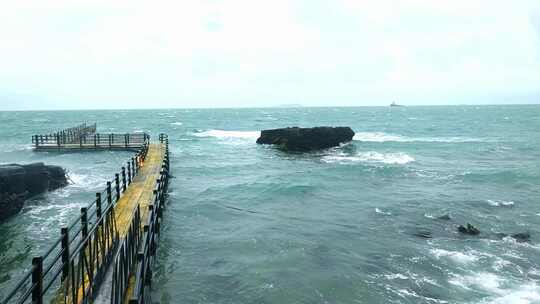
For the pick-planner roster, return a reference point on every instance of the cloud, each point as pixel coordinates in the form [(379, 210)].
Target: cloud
[(242, 53)]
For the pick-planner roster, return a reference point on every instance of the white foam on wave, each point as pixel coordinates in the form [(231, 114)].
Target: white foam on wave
[(396, 276), (222, 134), (384, 137), (16, 148), (85, 181), (502, 291), (482, 280), (398, 158), (456, 256), (379, 211), (176, 123), (499, 203)]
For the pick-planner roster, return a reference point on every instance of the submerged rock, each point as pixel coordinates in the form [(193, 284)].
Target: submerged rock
[(521, 237), (469, 229), (306, 139), (423, 233), (18, 182), (445, 217)]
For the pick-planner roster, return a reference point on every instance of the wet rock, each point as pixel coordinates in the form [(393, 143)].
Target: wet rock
[(469, 229), (445, 217), (521, 237), (306, 139), (18, 182)]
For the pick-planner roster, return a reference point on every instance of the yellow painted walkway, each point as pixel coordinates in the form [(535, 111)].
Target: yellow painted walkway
[(140, 191)]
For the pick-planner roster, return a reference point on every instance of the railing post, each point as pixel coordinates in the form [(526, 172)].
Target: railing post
[(117, 179), (129, 172), (80, 140), (95, 141), (37, 280), (123, 179), (109, 194), (133, 166), (65, 253), (98, 205), (84, 222), (126, 140)]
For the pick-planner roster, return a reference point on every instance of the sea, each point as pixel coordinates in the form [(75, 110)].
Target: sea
[(359, 223)]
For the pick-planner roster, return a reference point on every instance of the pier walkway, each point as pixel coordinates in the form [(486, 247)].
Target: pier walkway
[(84, 137), (106, 254)]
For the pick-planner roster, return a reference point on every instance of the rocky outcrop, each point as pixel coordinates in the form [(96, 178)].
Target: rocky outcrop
[(469, 229), (306, 139), (19, 182)]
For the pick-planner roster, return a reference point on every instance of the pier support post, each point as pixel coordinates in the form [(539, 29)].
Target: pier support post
[(37, 280)]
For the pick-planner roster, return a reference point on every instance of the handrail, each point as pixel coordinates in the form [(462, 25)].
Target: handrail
[(141, 242), (92, 246), (92, 140), (67, 135), (151, 232)]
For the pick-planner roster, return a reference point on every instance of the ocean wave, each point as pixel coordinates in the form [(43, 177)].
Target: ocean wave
[(396, 276), (384, 137), (499, 203), (222, 134), (379, 211), (398, 158), (16, 148), (456, 256), (482, 280), (85, 181), (503, 291), (176, 123)]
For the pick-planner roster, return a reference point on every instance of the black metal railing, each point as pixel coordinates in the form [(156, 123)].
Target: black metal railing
[(94, 140), (75, 264), (137, 251), (70, 135)]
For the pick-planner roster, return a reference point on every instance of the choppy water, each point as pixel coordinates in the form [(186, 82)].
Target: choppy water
[(250, 224)]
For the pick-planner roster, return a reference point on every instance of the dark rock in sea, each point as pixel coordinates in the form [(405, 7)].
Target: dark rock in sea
[(522, 236), (19, 182), (306, 139), (445, 217), (422, 233), (469, 229)]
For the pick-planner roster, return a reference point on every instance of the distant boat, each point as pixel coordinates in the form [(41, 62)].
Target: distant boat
[(394, 104)]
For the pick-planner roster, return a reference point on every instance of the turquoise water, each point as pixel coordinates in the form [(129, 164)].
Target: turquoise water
[(251, 224)]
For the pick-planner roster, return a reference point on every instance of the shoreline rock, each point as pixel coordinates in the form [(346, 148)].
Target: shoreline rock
[(306, 139), (20, 182)]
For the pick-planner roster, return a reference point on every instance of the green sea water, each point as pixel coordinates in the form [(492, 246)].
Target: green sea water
[(247, 223)]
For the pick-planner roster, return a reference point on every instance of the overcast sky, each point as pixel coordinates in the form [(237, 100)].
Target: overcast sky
[(230, 53)]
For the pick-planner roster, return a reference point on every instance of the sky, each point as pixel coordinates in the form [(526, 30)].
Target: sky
[(70, 54)]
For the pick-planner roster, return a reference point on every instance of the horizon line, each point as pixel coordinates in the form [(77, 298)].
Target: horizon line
[(277, 106)]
